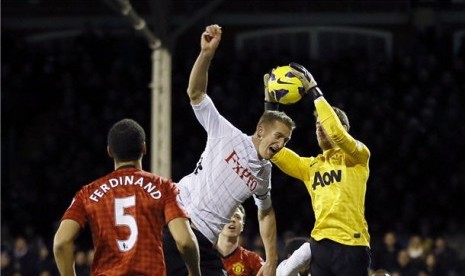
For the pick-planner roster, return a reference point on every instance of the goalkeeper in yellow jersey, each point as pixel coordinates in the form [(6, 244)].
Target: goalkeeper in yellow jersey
[(336, 180)]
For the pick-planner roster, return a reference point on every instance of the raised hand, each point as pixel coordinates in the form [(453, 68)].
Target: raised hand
[(271, 98), (210, 39), (309, 83), (303, 75), (271, 103)]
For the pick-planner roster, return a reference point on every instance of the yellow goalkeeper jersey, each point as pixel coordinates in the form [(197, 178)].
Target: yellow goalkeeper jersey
[(336, 181)]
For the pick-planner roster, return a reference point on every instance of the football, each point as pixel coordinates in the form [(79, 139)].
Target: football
[(284, 86)]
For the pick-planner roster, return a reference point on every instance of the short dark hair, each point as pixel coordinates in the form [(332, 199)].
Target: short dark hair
[(242, 209), (126, 140), (294, 244), (270, 116)]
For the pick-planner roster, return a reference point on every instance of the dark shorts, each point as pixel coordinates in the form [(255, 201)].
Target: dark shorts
[(330, 258), (210, 260)]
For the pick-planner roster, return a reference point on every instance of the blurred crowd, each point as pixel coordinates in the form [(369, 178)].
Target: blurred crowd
[(401, 255), (416, 256), (60, 97)]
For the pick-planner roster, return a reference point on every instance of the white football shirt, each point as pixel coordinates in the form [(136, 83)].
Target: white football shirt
[(299, 259), (227, 173)]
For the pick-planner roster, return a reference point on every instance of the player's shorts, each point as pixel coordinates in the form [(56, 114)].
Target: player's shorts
[(332, 258), (210, 259)]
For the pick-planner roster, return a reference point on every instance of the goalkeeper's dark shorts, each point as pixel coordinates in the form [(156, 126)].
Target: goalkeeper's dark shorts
[(210, 259), (330, 258)]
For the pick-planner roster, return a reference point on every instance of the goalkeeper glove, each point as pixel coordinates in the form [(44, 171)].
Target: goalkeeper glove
[(309, 83), (271, 103)]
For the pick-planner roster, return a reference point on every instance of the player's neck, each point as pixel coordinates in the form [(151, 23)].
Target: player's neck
[(130, 164), (226, 245), (256, 143)]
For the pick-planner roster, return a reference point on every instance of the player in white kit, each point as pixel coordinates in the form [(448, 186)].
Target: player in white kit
[(233, 167)]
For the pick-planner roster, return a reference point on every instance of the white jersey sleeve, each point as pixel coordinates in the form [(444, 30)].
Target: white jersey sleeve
[(296, 262), (262, 197), (211, 120)]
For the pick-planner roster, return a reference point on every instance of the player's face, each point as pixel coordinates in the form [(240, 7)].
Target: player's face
[(323, 140), (235, 227), (274, 137)]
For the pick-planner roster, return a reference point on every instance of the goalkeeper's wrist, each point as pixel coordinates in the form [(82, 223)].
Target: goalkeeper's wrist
[(315, 92), (271, 106)]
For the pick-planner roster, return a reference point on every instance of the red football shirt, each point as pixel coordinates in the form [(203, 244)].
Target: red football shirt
[(126, 211), (242, 262)]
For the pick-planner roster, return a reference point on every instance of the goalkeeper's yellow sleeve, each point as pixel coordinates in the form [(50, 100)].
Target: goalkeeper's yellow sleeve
[(292, 164), (356, 151)]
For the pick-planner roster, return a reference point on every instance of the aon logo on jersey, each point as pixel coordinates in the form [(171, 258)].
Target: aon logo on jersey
[(326, 178)]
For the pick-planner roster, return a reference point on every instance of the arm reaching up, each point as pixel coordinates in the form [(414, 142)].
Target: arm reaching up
[(198, 79)]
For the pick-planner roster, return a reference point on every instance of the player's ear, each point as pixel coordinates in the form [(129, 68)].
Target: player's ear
[(260, 130), (144, 149), (109, 151)]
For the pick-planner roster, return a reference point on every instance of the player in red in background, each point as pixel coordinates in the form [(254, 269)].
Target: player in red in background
[(236, 259), (126, 211)]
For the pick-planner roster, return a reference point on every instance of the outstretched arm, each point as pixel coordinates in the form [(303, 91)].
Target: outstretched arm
[(186, 242), (198, 79), (293, 165), (267, 225), (357, 152)]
